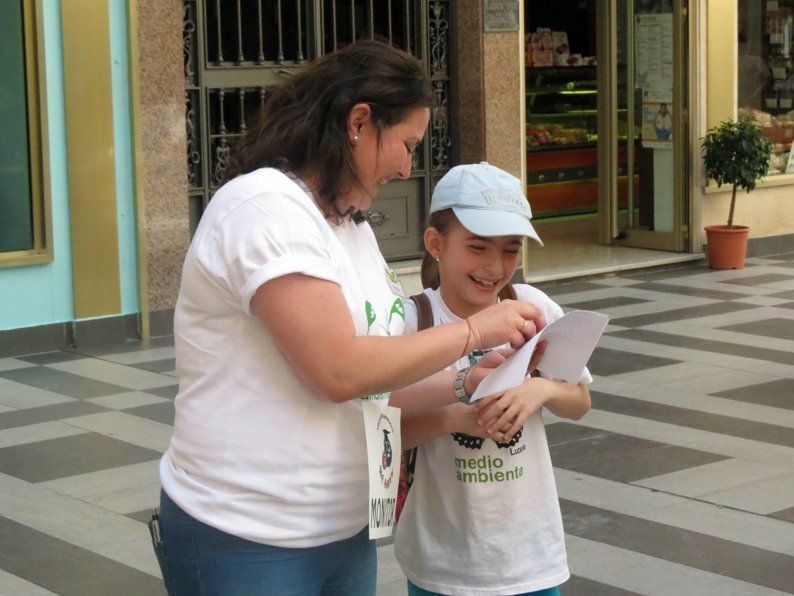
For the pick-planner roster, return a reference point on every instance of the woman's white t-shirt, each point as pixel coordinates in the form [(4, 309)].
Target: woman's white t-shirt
[(483, 518), (256, 452)]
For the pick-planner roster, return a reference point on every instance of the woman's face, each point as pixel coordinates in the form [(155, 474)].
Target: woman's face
[(377, 161)]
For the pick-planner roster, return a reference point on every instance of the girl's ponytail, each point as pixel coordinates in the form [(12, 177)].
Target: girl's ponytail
[(440, 220), (430, 277)]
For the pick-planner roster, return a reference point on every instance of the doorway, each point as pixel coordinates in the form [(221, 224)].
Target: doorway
[(606, 131)]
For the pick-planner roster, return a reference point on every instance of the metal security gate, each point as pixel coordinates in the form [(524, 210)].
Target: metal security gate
[(236, 50)]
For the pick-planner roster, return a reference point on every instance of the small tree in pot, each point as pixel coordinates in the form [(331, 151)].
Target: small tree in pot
[(734, 153)]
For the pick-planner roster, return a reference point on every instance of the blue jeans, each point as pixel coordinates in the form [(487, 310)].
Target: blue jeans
[(414, 590), (197, 559)]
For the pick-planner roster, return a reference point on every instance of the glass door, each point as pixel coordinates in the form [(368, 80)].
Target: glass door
[(642, 123)]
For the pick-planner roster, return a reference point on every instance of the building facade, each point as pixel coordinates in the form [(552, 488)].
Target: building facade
[(112, 149)]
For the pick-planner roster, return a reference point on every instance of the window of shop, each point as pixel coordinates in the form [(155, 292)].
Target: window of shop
[(766, 74), (23, 221)]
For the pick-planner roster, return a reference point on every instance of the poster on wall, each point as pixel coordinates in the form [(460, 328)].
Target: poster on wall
[(653, 56), (657, 124)]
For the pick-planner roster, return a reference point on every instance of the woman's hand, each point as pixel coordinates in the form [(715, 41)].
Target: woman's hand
[(509, 321), (485, 367)]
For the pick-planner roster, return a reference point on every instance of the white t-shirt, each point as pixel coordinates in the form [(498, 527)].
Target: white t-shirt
[(481, 517), (256, 452)]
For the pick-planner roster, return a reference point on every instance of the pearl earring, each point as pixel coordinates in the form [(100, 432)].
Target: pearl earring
[(355, 139), (437, 258)]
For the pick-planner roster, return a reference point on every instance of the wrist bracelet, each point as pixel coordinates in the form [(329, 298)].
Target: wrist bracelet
[(458, 385)]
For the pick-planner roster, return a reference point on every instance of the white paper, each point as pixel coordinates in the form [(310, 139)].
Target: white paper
[(570, 341), (384, 448)]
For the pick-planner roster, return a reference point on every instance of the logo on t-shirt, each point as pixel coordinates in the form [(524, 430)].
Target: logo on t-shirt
[(394, 321)]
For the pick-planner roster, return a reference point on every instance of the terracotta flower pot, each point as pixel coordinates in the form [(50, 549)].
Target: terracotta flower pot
[(727, 246)]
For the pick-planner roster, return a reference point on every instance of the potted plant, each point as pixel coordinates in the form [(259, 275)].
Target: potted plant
[(734, 153)]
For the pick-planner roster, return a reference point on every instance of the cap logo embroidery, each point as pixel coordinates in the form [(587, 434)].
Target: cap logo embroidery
[(505, 197)]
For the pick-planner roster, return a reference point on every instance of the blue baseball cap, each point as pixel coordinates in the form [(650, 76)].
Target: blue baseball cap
[(486, 200)]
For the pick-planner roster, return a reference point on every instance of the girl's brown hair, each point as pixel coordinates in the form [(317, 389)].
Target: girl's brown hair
[(303, 125), (441, 221)]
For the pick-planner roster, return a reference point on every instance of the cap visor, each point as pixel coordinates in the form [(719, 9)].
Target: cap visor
[(486, 222)]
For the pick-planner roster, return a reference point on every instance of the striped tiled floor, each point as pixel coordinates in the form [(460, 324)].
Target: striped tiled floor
[(679, 481)]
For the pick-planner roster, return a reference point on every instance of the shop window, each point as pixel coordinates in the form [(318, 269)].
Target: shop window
[(23, 221), (766, 74)]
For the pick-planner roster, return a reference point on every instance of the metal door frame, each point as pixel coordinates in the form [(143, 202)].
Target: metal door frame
[(608, 162), (427, 26)]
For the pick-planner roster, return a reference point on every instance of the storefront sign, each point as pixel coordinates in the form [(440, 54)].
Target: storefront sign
[(500, 15)]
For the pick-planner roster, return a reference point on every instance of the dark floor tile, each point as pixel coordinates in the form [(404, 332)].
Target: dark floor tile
[(678, 314), (605, 362), (566, 432), (70, 456), (61, 382), (168, 392), (606, 445), (777, 328), (785, 256), (559, 289), (778, 394), (141, 516), (625, 459), (669, 273), (66, 569), (604, 303), (162, 412), (581, 586), (786, 264), (127, 346), (51, 357), (156, 366), (789, 305), (650, 462), (687, 291), (758, 280), (707, 345), (716, 423), (785, 294), (48, 413), (785, 514), (692, 549)]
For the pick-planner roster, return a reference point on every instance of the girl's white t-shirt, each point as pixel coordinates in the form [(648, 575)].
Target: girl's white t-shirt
[(256, 452), (483, 518)]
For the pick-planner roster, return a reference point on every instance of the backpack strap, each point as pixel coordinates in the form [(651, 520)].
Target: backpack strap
[(508, 293), (424, 311)]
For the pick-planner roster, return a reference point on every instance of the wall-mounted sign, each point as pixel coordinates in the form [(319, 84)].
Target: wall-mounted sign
[(500, 15)]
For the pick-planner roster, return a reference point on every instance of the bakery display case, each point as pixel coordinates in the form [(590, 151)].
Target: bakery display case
[(562, 139)]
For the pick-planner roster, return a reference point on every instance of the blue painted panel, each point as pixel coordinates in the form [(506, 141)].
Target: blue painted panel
[(42, 294), (122, 132)]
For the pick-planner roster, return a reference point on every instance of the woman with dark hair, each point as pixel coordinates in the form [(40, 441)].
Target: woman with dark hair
[(287, 316)]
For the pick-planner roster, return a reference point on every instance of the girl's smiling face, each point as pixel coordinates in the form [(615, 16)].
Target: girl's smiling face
[(473, 269)]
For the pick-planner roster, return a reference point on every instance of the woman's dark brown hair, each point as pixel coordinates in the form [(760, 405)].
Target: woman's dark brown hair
[(303, 126), (441, 221)]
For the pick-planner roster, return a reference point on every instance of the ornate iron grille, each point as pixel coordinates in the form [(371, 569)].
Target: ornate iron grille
[(235, 50)]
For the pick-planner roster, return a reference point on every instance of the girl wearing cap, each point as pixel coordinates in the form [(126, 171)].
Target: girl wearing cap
[(283, 324), (482, 517)]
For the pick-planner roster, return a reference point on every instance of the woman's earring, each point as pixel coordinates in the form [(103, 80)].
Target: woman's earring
[(437, 258), (355, 139)]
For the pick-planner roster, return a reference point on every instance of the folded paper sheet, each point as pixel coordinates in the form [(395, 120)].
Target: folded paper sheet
[(570, 341)]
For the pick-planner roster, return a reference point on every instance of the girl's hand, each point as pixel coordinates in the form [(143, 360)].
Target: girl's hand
[(509, 321), (512, 408), (463, 419)]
